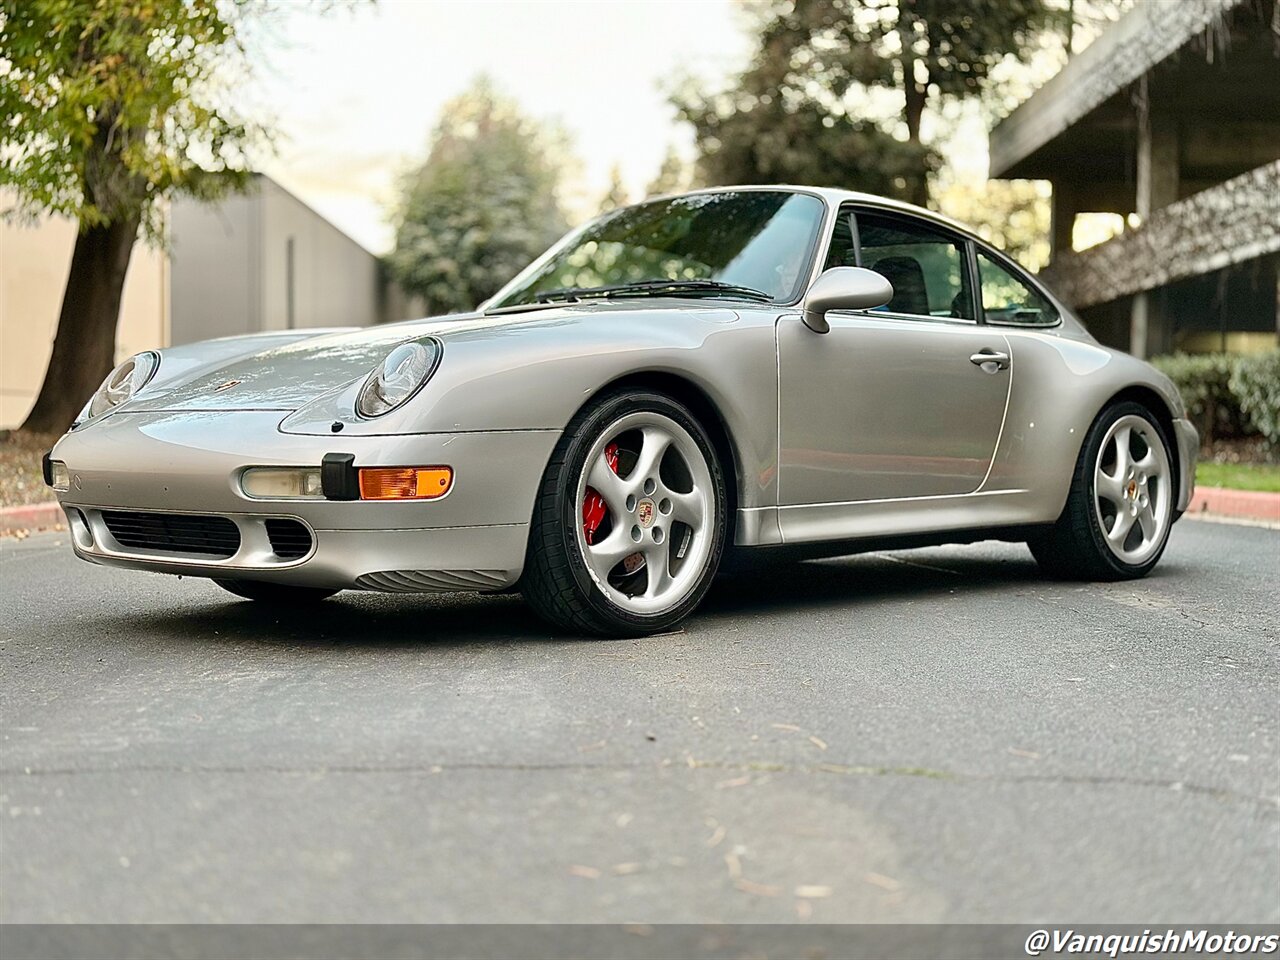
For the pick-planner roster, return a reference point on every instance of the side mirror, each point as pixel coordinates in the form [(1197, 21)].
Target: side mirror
[(844, 288)]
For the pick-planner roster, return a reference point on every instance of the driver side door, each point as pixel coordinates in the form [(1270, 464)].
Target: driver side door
[(893, 403)]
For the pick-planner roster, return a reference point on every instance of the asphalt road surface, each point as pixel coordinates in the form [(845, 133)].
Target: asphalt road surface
[(936, 735)]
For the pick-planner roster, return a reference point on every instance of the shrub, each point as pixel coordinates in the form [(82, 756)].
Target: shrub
[(1255, 383), (1204, 380)]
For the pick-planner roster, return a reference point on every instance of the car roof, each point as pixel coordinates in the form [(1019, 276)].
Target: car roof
[(833, 197)]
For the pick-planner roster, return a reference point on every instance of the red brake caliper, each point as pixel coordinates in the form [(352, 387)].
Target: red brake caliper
[(593, 506)]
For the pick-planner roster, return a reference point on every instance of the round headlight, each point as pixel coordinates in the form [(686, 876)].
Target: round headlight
[(122, 383), (398, 377)]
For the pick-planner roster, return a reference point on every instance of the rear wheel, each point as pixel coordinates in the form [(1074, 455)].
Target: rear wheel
[(1118, 514), (280, 593), (630, 521)]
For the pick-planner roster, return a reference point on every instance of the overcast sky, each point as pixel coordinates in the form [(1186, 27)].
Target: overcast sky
[(356, 93)]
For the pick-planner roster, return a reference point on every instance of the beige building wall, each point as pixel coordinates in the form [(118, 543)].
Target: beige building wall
[(313, 274), (34, 262)]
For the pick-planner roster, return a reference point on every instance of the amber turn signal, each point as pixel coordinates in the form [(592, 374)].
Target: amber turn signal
[(405, 483)]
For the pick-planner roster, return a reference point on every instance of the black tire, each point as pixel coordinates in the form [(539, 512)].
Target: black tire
[(556, 582), (280, 593), (1075, 547)]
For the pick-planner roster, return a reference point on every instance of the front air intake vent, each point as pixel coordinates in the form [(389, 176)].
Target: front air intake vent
[(173, 532), (290, 539)]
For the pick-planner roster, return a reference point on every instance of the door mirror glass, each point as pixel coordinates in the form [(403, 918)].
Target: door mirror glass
[(844, 288)]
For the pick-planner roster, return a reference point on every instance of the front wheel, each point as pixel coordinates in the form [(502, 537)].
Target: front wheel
[(281, 593), (630, 522), (1120, 508)]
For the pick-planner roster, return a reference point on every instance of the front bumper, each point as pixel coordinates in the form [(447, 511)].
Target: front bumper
[(189, 464), (1188, 441)]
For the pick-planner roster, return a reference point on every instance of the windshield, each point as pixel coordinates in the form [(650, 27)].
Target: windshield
[(757, 239)]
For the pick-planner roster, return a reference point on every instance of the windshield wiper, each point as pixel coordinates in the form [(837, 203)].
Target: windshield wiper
[(644, 288)]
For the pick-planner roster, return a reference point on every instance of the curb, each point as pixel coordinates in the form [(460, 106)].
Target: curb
[(31, 516), (1244, 504)]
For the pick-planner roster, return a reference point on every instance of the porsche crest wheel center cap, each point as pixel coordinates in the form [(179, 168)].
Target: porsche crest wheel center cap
[(645, 512)]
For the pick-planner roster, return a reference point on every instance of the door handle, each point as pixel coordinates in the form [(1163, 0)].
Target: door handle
[(990, 360)]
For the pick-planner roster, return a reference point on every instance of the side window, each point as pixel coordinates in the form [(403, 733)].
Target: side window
[(925, 266), (1007, 298), (844, 247)]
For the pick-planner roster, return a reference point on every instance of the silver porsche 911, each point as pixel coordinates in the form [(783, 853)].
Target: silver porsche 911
[(778, 369)]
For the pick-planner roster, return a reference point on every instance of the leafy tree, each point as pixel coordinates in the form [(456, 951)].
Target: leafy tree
[(106, 108), (1012, 214), (483, 204), (838, 89), (673, 176), (616, 196)]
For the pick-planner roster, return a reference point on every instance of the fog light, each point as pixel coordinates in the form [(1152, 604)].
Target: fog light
[(282, 483), (405, 483), (59, 476)]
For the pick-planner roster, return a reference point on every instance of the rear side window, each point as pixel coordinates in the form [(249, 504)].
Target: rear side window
[(1007, 298), (925, 266)]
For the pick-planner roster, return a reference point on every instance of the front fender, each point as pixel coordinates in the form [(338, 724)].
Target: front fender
[(537, 374)]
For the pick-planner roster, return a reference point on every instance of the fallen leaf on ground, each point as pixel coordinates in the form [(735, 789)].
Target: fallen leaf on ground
[(880, 880), (813, 891), (733, 864), (759, 889)]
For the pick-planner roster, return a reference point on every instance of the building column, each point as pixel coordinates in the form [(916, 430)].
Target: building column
[(1139, 324), (1064, 206), (1157, 187)]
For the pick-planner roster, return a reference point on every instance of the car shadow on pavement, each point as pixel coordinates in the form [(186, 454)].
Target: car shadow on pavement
[(387, 621), (354, 619), (861, 579)]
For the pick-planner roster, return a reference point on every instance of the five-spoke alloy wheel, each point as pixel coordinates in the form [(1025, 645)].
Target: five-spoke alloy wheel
[(1132, 490), (1120, 507), (630, 522)]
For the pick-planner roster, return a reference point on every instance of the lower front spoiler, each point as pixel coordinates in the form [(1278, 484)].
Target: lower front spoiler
[(428, 560)]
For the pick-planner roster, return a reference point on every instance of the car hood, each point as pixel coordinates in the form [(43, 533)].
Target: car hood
[(268, 374), (288, 376)]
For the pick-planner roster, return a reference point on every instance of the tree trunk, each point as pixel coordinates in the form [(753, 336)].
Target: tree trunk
[(916, 95), (84, 348), (918, 185)]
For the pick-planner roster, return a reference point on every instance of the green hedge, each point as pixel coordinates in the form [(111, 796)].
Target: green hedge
[(1255, 383), (1228, 395)]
